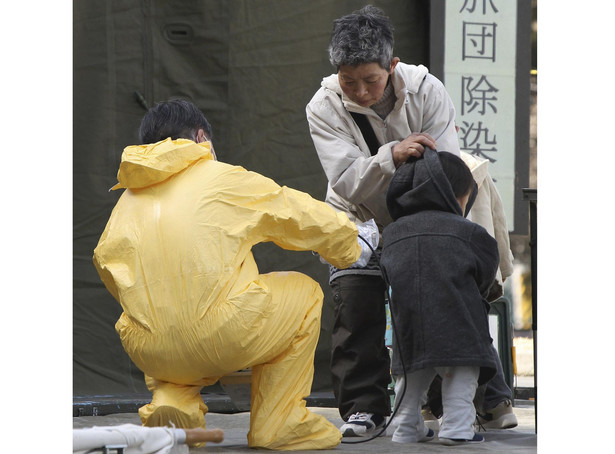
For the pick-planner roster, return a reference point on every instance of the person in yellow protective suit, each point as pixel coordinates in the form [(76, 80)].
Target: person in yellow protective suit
[(176, 254)]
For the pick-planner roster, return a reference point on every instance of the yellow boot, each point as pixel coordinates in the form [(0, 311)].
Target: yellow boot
[(174, 405)]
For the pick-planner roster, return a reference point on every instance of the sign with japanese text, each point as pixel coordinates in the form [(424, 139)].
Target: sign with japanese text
[(479, 72)]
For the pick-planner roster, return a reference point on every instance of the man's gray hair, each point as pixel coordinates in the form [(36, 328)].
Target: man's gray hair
[(365, 36)]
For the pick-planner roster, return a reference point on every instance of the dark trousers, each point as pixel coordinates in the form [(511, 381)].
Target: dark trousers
[(496, 390), (360, 362)]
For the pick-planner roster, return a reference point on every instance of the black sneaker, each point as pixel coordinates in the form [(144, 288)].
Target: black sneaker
[(362, 425)]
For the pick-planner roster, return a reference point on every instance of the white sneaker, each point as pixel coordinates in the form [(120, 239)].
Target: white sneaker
[(430, 420), (362, 425), (499, 417)]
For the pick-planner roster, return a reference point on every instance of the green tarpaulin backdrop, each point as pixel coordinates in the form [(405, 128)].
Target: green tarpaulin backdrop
[(251, 66)]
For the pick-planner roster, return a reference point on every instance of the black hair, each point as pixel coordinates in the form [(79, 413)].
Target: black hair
[(176, 119), (457, 172)]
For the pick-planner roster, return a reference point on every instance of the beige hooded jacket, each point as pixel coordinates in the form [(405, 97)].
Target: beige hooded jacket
[(358, 181), (488, 212)]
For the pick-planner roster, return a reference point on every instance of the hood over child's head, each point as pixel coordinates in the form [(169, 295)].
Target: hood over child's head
[(434, 181)]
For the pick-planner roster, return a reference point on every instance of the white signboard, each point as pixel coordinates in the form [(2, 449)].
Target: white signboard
[(479, 72)]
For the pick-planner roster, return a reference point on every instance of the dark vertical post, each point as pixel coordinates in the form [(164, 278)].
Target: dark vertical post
[(522, 112), (531, 195), (436, 38)]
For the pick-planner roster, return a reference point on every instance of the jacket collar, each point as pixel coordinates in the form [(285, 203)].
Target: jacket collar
[(405, 79)]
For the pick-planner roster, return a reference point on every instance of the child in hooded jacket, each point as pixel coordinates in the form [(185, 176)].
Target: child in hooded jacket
[(440, 267)]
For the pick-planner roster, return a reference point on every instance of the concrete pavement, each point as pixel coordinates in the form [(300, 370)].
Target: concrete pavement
[(521, 439), (116, 410)]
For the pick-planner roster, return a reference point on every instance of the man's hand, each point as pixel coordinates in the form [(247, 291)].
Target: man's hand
[(413, 145)]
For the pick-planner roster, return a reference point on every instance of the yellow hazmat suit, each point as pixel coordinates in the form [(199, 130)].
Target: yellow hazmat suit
[(176, 254)]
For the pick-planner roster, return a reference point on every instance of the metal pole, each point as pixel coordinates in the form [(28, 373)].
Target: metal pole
[(532, 196)]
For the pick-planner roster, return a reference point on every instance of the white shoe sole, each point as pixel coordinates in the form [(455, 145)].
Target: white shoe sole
[(507, 421), (449, 442), (349, 432)]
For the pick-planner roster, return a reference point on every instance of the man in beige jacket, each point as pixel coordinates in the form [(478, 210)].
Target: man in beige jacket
[(365, 121)]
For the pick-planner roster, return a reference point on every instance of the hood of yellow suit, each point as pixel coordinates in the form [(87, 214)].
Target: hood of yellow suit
[(147, 165)]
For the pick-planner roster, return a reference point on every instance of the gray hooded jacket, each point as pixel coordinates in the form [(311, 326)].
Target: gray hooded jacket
[(440, 267)]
